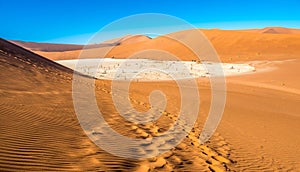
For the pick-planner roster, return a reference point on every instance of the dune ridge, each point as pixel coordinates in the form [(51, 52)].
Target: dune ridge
[(53, 47), (275, 30), (231, 45)]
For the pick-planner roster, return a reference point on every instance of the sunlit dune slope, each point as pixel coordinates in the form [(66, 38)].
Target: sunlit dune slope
[(230, 45)]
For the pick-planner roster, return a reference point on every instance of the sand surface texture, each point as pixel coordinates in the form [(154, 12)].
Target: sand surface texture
[(40, 131), (258, 132)]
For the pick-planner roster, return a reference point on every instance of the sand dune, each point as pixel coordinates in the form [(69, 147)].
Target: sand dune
[(39, 130), (258, 132), (128, 39), (275, 30), (232, 46), (51, 47), (47, 47)]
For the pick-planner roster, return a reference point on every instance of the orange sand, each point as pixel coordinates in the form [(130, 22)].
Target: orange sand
[(258, 132)]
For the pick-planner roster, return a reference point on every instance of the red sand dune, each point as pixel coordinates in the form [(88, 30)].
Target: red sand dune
[(275, 30), (128, 39), (230, 45)]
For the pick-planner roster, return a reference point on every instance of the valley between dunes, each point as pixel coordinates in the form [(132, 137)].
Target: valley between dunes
[(258, 132)]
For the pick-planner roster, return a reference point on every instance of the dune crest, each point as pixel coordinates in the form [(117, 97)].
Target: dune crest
[(231, 45)]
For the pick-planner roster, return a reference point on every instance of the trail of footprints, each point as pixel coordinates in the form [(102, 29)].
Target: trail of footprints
[(188, 155)]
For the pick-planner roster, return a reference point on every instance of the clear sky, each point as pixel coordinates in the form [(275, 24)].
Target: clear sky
[(74, 21)]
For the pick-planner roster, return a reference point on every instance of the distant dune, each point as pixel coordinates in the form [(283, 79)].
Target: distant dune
[(47, 47), (51, 47), (231, 45), (128, 39), (275, 30)]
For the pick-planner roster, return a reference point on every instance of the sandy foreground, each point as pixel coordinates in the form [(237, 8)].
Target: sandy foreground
[(40, 130)]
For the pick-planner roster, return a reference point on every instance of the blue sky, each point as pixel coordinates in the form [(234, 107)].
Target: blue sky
[(75, 21)]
